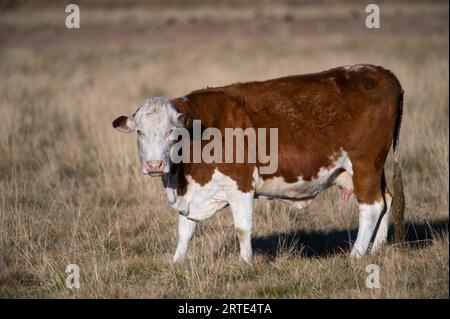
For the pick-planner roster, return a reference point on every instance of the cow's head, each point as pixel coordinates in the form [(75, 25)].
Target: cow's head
[(154, 122)]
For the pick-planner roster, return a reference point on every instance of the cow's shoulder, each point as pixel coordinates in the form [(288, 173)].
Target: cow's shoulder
[(215, 107)]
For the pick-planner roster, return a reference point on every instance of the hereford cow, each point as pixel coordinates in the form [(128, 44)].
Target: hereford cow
[(334, 128)]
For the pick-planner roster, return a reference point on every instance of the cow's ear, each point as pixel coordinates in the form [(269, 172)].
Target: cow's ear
[(124, 124), (184, 120)]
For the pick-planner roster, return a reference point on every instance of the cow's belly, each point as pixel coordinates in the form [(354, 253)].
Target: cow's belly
[(277, 187)]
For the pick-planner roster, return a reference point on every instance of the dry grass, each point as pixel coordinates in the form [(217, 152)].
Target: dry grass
[(70, 187)]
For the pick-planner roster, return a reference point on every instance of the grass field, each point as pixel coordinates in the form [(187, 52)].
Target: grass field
[(71, 189)]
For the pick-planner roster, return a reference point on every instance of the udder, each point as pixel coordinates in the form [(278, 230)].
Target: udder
[(345, 182)]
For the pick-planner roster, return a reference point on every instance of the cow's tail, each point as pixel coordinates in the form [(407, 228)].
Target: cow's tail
[(398, 201)]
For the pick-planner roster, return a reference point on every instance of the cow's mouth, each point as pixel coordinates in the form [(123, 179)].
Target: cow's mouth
[(155, 174)]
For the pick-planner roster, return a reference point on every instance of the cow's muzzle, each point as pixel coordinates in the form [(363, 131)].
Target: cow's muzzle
[(155, 167)]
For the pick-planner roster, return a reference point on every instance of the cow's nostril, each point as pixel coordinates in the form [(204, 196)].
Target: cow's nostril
[(155, 165)]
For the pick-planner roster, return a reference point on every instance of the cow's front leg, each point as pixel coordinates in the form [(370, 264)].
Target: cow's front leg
[(241, 205), (186, 228)]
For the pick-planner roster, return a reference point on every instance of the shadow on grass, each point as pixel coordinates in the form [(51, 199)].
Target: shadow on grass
[(322, 244)]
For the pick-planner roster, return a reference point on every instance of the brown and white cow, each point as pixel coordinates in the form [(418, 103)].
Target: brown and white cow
[(334, 128)]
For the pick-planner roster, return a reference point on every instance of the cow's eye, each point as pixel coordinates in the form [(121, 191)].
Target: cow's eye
[(139, 133)]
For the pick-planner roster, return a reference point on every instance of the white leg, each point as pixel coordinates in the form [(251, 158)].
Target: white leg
[(186, 230), (241, 205), (382, 232), (368, 219)]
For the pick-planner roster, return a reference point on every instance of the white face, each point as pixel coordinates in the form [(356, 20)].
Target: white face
[(153, 122)]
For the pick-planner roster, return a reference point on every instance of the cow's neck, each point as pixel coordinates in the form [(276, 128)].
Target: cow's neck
[(172, 181)]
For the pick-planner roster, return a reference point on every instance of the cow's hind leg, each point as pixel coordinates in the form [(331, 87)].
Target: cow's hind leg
[(382, 232), (186, 229), (368, 185), (241, 205)]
